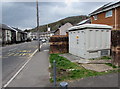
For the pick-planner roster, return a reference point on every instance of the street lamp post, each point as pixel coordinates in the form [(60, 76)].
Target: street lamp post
[(38, 25)]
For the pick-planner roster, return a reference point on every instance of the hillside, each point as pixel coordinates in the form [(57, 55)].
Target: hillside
[(73, 20)]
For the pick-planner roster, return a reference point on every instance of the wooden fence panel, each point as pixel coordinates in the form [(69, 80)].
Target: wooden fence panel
[(115, 41), (59, 44)]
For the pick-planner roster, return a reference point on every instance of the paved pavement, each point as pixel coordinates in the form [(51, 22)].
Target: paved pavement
[(35, 73), (97, 67), (109, 80), (71, 57), (80, 60), (14, 56)]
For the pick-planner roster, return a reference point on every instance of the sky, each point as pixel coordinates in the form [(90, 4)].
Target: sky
[(23, 14)]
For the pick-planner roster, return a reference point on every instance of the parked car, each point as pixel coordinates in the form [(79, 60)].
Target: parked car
[(28, 40), (35, 39), (40, 39), (43, 40)]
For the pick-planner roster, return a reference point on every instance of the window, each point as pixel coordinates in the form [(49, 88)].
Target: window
[(108, 13), (95, 17)]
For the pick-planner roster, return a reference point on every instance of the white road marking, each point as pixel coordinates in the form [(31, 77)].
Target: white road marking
[(12, 49), (33, 53), (45, 50), (16, 54), (10, 54), (20, 69)]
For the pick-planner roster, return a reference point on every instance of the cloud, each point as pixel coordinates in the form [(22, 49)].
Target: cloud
[(51, 12), (66, 1), (19, 15), (23, 14)]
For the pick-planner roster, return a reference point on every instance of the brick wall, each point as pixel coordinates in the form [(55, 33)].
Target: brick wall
[(101, 19), (118, 18)]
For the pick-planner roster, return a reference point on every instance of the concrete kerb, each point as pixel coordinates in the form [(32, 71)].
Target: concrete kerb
[(49, 67)]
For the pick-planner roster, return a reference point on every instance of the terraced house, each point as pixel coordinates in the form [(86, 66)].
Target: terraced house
[(108, 14)]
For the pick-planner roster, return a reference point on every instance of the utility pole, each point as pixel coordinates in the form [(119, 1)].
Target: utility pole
[(47, 32), (38, 25)]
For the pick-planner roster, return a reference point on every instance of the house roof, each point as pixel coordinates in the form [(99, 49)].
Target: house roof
[(6, 27), (106, 7), (18, 30), (65, 26), (3, 26), (12, 28), (89, 26), (84, 21)]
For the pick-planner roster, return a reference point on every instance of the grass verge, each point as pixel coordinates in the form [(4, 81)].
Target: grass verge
[(106, 57), (67, 70)]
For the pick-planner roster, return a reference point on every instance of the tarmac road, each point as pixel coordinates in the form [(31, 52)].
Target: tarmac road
[(14, 56), (36, 72)]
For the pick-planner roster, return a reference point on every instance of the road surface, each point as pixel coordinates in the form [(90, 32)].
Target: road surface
[(36, 72), (14, 56)]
